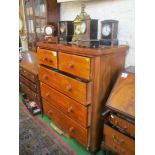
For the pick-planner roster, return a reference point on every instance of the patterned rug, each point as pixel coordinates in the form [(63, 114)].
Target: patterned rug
[(34, 139)]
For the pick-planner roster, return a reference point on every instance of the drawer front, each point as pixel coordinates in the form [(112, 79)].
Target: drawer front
[(122, 124), (76, 65), (29, 93), (28, 83), (65, 123), (28, 75), (117, 141), (70, 107), (47, 57), (80, 91)]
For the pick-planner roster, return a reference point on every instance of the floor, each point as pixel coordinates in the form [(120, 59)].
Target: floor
[(78, 148)]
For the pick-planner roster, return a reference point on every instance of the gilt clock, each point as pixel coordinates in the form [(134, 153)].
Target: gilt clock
[(85, 28), (109, 30), (65, 31)]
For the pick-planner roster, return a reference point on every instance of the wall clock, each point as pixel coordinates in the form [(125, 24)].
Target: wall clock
[(109, 30)]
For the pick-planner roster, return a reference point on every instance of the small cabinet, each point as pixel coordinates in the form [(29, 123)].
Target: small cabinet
[(37, 14)]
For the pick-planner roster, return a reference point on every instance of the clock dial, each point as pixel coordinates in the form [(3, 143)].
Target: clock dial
[(78, 29), (106, 30), (83, 27), (62, 28), (49, 30)]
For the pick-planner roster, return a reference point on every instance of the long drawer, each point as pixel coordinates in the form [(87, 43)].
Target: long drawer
[(118, 142), (65, 123), (28, 83), (122, 124), (70, 107), (77, 90), (47, 57), (28, 75), (77, 65), (29, 93)]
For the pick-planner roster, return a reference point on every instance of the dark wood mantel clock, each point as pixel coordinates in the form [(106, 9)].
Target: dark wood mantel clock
[(51, 33), (85, 28), (109, 30)]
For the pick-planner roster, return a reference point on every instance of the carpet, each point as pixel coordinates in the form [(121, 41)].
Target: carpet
[(35, 138)]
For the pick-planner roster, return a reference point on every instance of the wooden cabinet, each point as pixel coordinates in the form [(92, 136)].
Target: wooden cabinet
[(39, 13), (28, 77), (75, 92), (119, 119)]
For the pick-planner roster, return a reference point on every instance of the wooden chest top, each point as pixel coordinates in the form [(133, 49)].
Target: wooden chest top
[(90, 52), (30, 62), (122, 97)]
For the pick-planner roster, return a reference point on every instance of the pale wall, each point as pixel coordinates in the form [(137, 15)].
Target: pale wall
[(122, 10)]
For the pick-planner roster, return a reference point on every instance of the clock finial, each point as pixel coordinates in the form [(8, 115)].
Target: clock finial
[(83, 6)]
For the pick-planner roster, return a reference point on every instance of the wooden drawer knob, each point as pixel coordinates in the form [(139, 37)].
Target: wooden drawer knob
[(49, 112), (71, 129), (71, 65), (51, 61), (47, 95), (70, 109), (69, 88), (45, 59), (45, 77)]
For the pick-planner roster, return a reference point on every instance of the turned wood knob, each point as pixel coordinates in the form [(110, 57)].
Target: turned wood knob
[(71, 65), (45, 77), (51, 61), (70, 109), (47, 94), (45, 59), (49, 112), (69, 88), (71, 129)]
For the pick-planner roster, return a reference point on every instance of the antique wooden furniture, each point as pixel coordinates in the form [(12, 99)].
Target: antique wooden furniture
[(39, 13), (28, 77), (119, 118), (75, 83)]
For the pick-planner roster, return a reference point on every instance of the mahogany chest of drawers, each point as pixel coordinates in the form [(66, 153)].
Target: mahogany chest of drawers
[(119, 118), (28, 77), (75, 83)]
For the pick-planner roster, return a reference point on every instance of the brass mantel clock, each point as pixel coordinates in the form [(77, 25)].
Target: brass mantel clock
[(85, 28)]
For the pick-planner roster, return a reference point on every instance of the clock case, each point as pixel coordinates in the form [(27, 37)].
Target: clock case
[(111, 39), (54, 37), (66, 36), (90, 33)]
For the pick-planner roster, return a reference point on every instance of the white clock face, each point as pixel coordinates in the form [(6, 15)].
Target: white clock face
[(83, 27), (48, 30), (106, 30), (78, 29)]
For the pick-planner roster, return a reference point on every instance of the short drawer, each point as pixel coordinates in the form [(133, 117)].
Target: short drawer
[(122, 124), (70, 107), (78, 90), (118, 142), (47, 57), (29, 93), (65, 123), (28, 75), (77, 65), (28, 83)]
